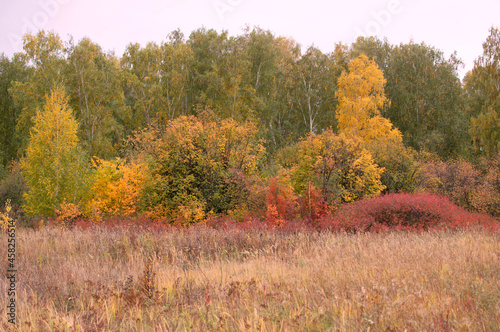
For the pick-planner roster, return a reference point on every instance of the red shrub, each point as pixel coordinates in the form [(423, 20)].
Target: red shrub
[(403, 212), (313, 206), (281, 203)]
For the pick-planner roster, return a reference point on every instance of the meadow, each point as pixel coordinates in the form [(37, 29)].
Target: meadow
[(233, 278)]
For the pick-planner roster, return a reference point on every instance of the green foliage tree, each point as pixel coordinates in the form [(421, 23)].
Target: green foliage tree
[(54, 167), (177, 61), (313, 94), (143, 82), (14, 70), (380, 51), (427, 103), (44, 56), (483, 92), (271, 76), (94, 84), (158, 77), (219, 74)]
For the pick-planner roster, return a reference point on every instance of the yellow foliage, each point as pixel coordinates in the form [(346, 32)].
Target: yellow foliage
[(116, 188), (67, 213), (193, 211), (361, 97), (5, 218), (338, 165), (199, 165), (53, 166)]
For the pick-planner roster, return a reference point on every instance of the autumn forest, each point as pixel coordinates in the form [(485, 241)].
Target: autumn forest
[(217, 124), (242, 183)]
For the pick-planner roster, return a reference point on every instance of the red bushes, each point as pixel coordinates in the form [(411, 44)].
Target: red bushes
[(419, 212), (281, 203), (313, 205), (285, 206), (404, 211)]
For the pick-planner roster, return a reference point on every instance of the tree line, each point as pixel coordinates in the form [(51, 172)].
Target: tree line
[(192, 125)]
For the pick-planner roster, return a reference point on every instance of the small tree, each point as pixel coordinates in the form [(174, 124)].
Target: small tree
[(53, 167), (361, 98)]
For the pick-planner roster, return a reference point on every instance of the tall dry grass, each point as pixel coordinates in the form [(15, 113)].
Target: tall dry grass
[(248, 280)]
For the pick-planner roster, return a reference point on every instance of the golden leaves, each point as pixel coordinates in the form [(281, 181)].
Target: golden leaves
[(339, 166), (361, 96), (116, 188)]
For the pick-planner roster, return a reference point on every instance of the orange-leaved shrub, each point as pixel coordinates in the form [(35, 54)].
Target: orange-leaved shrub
[(285, 206), (116, 188), (282, 205), (404, 211), (198, 166), (68, 213)]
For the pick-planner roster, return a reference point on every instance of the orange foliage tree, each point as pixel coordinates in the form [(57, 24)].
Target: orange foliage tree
[(361, 96), (116, 188)]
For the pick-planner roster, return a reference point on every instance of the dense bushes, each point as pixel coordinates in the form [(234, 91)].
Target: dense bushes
[(404, 211), (197, 166), (474, 187), (338, 166)]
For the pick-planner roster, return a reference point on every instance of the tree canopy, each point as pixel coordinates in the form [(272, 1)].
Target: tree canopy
[(204, 123)]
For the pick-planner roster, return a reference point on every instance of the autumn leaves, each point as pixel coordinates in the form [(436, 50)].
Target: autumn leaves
[(188, 167)]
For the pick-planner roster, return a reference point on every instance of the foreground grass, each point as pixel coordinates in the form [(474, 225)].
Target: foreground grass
[(248, 280)]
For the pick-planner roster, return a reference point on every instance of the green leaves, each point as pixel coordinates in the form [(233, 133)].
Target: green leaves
[(96, 95), (426, 99), (43, 53), (313, 93), (157, 80), (482, 84), (10, 71)]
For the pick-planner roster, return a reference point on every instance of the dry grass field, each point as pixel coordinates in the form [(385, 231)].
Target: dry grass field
[(203, 279)]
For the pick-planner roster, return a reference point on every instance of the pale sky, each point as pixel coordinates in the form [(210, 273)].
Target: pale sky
[(460, 26)]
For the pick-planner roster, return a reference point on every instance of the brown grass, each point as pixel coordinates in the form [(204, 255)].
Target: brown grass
[(249, 280)]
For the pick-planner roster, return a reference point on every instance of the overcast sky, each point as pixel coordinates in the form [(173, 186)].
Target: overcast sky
[(460, 26)]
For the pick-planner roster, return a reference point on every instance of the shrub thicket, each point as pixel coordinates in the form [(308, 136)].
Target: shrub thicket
[(404, 212)]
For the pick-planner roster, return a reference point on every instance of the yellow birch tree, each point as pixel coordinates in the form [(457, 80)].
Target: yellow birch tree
[(361, 97), (53, 166)]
